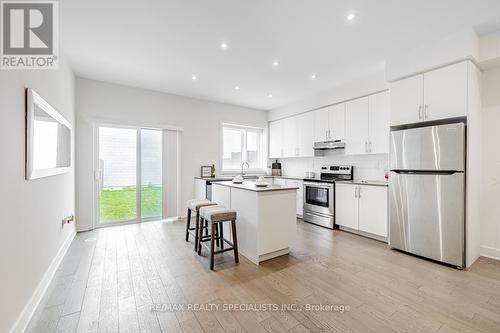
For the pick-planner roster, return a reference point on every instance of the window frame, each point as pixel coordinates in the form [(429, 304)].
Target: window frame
[(244, 152)]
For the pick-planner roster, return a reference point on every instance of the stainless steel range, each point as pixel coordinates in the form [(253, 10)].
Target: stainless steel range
[(319, 194)]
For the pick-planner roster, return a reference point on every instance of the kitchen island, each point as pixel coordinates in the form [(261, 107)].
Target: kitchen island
[(266, 223)]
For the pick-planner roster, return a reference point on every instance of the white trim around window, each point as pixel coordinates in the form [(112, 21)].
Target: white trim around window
[(256, 157)]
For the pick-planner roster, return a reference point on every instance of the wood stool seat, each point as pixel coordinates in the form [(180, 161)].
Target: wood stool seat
[(216, 216), (194, 205)]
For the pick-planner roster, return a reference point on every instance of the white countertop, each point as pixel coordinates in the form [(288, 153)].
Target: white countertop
[(250, 186)]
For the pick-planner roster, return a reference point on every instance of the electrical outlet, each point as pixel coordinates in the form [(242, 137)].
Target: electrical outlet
[(68, 219)]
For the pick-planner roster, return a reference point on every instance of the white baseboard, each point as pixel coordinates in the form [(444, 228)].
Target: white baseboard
[(490, 252), (29, 309)]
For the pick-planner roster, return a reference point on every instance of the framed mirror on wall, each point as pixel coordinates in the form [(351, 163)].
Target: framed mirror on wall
[(48, 139)]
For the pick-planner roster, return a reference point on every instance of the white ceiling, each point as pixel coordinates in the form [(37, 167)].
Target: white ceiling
[(160, 44)]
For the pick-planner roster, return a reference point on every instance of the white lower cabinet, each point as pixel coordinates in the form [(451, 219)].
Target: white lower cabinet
[(362, 208), (200, 189), (300, 192), (346, 205), (373, 209)]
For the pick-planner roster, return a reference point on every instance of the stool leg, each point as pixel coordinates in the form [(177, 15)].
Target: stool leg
[(235, 241), (212, 244), (221, 226), (188, 224), (196, 231), (216, 226), (200, 234)]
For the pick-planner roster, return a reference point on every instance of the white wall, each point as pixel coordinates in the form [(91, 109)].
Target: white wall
[(200, 140), (490, 218), (367, 167), (349, 90), (30, 211), (459, 46)]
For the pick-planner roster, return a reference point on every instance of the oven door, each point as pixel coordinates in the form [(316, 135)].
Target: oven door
[(318, 197)]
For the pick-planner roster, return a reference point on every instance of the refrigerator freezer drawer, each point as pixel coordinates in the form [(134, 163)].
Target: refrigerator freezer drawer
[(440, 147), (427, 215)]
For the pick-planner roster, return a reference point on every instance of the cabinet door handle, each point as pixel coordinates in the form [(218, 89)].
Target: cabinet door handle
[(370, 146), (420, 112), (425, 111), (355, 191), (366, 146), (359, 191)]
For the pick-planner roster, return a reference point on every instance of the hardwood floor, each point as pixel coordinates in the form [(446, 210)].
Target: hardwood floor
[(111, 284)]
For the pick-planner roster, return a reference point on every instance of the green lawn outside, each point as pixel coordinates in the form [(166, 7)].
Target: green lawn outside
[(120, 204)]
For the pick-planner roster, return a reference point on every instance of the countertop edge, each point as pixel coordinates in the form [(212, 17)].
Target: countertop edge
[(360, 182), (256, 189), (222, 178)]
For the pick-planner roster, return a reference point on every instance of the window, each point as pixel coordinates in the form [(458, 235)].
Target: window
[(242, 144)]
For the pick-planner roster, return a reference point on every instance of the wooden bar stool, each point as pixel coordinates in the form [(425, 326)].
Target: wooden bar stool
[(194, 205), (216, 216)]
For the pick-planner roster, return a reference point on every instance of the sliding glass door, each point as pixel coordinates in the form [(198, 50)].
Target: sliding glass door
[(151, 174), (129, 175)]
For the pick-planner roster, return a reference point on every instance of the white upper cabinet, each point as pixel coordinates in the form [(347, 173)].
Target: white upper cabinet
[(321, 124), (275, 139), (445, 92), (356, 135), (289, 137), (378, 123), (292, 136), (337, 122), (362, 123), (406, 100), (305, 134), (373, 209), (438, 94)]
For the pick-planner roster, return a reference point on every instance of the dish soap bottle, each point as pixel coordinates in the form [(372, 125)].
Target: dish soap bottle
[(212, 171)]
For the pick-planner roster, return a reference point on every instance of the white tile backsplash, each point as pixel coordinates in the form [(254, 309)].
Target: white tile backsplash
[(368, 167)]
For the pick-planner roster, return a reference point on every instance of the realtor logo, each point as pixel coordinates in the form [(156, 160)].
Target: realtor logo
[(29, 34)]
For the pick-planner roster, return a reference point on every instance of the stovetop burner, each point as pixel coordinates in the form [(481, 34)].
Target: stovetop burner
[(331, 173)]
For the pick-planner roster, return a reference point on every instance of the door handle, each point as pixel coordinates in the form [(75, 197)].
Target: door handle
[(359, 192), (370, 146), (420, 112), (355, 191), (425, 111)]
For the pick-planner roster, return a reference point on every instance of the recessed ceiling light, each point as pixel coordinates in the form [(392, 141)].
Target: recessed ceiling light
[(236, 88), (194, 78), (351, 16), (313, 76), (223, 45), (270, 95), (276, 63)]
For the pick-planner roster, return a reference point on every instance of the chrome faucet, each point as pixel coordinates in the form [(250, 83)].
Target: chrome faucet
[(242, 165)]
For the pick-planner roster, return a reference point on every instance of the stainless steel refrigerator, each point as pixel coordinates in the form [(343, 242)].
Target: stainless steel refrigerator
[(427, 192)]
